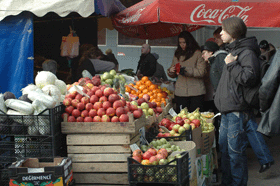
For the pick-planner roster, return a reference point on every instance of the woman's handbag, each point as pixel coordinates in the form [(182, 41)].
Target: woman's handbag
[(70, 45)]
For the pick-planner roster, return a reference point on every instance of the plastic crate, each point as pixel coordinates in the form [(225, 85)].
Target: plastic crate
[(47, 123), (4, 174), (160, 174), (186, 136), (18, 147)]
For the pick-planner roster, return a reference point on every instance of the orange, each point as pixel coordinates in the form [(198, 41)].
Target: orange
[(127, 89), (131, 84), (154, 91), (159, 95), (142, 87), (152, 87), (141, 95), (138, 83), (133, 92), (145, 91), (158, 104), (144, 79), (148, 83)]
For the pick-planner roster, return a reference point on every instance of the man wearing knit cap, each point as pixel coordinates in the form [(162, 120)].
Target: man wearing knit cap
[(215, 57)]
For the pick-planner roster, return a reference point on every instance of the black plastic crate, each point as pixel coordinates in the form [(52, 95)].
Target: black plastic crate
[(47, 123), (4, 174), (14, 148), (160, 174), (152, 134)]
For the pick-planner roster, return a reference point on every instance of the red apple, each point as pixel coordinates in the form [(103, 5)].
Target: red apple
[(160, 135), (90, 93), (79, 97), (171, 126), (110, 111), (80, 119), (126, 109), (113, 97), (92, 113), (102, 88), (196, 122), (160, 156), (93, 99), (94, 89), (89, 106), (103, 99), (76, 113), (154, 104), (75, 102), (147, 155), (97, 119), (140, 101), (106, 105), (97, 105), (108, 91), (101, 112), (105, 118), (137, 114), (167, 135), (99, 93), (152, 151), (69, 109), (88, 119), (84, 113), (146, 97), (73, 94), (133, 107), (115, 119), (71, 119), (153, 160), (150, 105), (120, 111), (159, 109), (85, 100), (187, 121), (67, 101), (117, 104), (124, 118), (81, 106)]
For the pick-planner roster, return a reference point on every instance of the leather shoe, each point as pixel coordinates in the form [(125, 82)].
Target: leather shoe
[(265, 167)]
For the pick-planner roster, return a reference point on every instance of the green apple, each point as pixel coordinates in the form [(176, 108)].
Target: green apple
[(172, 132), (109, 81), (181, 130), (163, 140), (113, 72), (150, 111), (134, 103), (145, 105), (187, 126)]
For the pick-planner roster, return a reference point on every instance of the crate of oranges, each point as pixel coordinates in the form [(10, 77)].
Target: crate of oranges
[(144, 88)]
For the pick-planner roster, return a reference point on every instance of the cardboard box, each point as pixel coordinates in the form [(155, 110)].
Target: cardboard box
[(191, 148), (196, 136), (31, 171), (207, 140)]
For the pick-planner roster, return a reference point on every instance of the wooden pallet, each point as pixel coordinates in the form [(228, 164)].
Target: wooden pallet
[(99, 150)]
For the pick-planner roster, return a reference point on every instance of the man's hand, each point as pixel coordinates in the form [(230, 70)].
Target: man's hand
[(230, 58)]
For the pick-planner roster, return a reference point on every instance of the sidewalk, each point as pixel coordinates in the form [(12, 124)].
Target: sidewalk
[(272, 176)]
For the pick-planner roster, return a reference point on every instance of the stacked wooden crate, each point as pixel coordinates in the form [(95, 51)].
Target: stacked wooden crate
[(99, 150)]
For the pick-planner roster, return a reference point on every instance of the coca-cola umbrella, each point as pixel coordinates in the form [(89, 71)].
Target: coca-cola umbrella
[(153, 19)]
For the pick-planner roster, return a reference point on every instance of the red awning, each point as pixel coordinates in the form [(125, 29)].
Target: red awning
[(152, 19)]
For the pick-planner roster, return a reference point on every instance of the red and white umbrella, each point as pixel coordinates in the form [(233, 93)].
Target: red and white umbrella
[(153, 19)]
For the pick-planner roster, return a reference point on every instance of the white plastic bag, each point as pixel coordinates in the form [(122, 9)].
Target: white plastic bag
[(2, 104), (47, 100), (20, 106), (38, 107)]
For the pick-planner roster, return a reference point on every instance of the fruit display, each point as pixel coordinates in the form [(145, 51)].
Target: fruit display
[(146, 89), (109, 77), (157, 166), (194, 119)]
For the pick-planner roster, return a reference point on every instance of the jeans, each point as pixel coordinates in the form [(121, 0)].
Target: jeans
[(257, 142), (237, 128), (233, 143)]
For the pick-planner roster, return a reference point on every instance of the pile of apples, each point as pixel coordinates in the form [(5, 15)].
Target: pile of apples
[(102, 104), (148, 108), (87, 82)]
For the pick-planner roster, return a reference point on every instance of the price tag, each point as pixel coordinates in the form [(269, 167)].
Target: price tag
[(172, 112), (134, 147)]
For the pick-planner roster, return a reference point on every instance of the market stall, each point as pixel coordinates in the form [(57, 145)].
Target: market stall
[(17, 50)]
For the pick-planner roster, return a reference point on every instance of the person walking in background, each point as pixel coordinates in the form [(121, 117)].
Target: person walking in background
[(189, 87), (238, 124), (160, 74), (147, 63), (111, 57), (267, 51), (218, 40), (269, 95)]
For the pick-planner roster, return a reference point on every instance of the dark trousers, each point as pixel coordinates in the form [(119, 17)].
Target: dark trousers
[(192, 103)]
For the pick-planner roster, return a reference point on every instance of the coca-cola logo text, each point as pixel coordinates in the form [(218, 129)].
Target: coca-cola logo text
[(133, 18), (201, 14)]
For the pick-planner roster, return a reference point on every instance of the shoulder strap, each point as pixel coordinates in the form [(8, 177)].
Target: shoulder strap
[(220, 52)]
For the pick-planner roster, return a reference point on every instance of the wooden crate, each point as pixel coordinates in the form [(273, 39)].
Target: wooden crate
[(99, 150)]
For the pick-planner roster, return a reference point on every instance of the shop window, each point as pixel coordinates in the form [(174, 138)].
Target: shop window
[(125, 40), (102, 37), (169, 41)]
